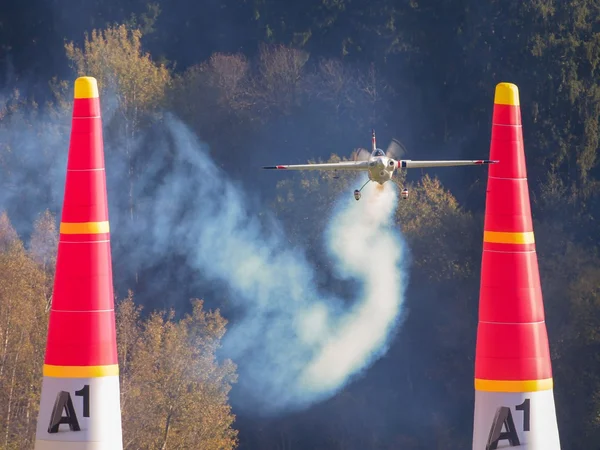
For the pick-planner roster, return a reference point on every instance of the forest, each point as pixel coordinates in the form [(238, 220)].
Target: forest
[(262, 82)]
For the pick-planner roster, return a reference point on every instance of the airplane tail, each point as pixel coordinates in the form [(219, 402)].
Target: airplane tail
[(373, 140)]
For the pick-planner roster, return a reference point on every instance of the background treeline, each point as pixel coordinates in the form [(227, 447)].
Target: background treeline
[(270, 82)]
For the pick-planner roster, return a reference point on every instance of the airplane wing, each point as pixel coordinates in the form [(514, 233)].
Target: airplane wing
[(345, 165), (409, 164)]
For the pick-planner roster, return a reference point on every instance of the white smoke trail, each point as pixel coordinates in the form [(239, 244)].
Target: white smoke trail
[(362, 239), (294, 345)]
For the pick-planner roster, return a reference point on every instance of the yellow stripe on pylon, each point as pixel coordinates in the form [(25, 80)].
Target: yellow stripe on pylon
[(513, 385), (501, 237), (81, 371), (84, 228)]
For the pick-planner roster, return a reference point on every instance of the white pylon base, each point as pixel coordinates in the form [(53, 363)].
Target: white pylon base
[(81, 413), (531, 415)]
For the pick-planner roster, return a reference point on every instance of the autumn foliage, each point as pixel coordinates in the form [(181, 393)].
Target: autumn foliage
[(421, 68), (169, 371)]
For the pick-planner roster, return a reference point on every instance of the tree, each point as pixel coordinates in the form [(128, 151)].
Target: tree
[(8, 235), (279, 80), (174, 391), (22, 340), (115, 58), (215, 94), (44, 241), (43, 247)]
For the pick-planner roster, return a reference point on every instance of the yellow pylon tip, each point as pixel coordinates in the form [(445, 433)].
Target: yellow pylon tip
[(506, 94), (86, 87)]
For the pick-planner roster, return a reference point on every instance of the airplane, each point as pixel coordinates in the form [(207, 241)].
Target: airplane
[(380, 165)]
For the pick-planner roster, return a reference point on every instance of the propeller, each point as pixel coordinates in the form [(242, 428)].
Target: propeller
[(395, 150), (361, 155)]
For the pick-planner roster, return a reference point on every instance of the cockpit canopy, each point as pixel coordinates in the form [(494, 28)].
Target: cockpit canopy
[(378, 152)]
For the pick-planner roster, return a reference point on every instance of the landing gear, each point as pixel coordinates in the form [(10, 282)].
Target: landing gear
[(357, 191)]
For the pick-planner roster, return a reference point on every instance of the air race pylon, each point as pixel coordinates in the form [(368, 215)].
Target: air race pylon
[(80, 405), (514, 399)]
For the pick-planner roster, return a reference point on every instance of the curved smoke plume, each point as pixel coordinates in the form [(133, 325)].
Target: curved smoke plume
[(293, 344)]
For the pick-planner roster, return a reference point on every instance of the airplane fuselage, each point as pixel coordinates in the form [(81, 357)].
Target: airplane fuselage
[(381, 169)]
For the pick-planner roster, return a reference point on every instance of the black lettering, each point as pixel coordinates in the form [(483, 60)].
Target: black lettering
[(85, 393), (526, 413), (63, 403), (502, 418)]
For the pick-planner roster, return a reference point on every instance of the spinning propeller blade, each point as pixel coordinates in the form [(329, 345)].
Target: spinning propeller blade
[(395, 150), (361, 155)]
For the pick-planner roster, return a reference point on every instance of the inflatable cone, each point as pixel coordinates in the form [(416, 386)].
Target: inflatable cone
[(80, 405), (514, 400)]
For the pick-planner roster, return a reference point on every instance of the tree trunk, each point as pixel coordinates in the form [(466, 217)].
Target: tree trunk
[(10, 395), (167, 428), (5, 349)]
